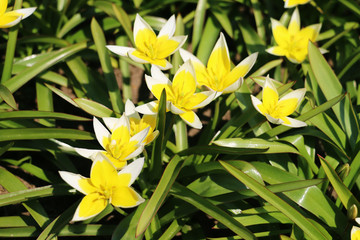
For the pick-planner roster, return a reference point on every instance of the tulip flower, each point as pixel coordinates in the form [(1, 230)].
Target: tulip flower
[(150, 48), (137, 124), (292, 41), (217, 75), (119, 146), (11, 18), (275, 110), (105, 186), (294, 3), (181, 94)]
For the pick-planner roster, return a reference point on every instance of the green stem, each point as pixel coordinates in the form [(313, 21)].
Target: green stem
[(181, 134), (10, 48), (216, 115), (119, 210), (259, 20), (125, 70)]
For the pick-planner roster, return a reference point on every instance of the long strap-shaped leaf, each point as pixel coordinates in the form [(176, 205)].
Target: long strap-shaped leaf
[(19, 80), (346, 197), (168, 178), (312, 231), (331, 87), (207, 207)]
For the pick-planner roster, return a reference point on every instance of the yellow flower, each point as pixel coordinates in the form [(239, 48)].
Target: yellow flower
[(9, 19), (105, 186), (118, 144), (217, 75), (292, 41), (355, 233), (149, 47), (275, 110), (137, 124), (181, 94), (294, 3)]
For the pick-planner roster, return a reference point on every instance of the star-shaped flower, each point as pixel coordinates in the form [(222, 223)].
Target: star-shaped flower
[(181, 94), (118, 144), (292, 41), (9, 19), (294, 3), (275, 110), (137, 124), (150, 48), (217, 75), (105, 186)]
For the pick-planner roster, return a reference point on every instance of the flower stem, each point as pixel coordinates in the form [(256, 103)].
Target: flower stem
[(10, 48), (180, 134)]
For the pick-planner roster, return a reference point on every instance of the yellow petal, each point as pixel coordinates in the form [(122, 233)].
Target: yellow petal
[(7, 19), (124, 197), (355, 233), (191, 119), (219, 60), (270, 99), (195, 100), (285, 107), (308, 33), (3, 6), (277, 50), (184, 84), (202, 76), (281, 35), (294, 25), (165, 47), (145, 41), (158, 88), (91, 205), (123, 179), (102, 173), (86, 185)]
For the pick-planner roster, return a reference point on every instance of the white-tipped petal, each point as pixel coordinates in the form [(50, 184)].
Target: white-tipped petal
[(120, 50), (169, 28), (181, 40), (294, 123), (136, 152), (195, 123), (140, 136), (130, 110), (186, 55), (134, 169), (110, 122), (123, 122), (26, 12), (233, 87), (148, 108), (174, 109), (168, 65), (249, 61), (11, 24), (187, 67), (255, 101), (87, 153), (77, 218), (273, 120), (72, 179), (298, 94), (140, 200), (158, 77), (221, 43), (135, 58), (295, 17), (275, 23), (269, 84), (357, 220), (140, 24), (100, 131), (211, 95)]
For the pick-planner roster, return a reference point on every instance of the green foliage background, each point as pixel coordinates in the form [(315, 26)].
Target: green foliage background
[(239, 177)]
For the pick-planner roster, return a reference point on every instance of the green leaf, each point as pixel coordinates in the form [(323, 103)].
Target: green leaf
[(201, 150), (19, 80), (346, 197), (331, 87), (43, 133), (124, 19), (257, 143), (277, 202), (24, 114), (104, 57), (6, 95), (157, 150), (198, 24), (34, 193), (12, 184), (94, 108), (167, 180), (210, 209)]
